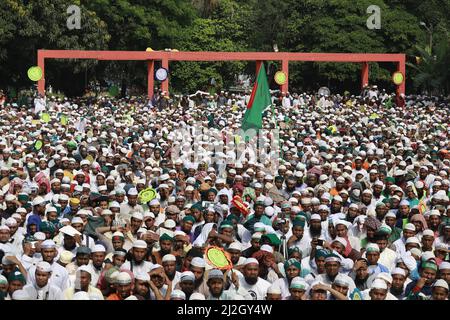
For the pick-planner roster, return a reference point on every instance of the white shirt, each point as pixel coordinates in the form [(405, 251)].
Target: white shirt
[(257, 291), (144, 267), (49, 292), (59, 277)]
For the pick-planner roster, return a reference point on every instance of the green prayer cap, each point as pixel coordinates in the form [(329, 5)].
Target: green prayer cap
[(429, 265), (321, 253), (292, 262), (390, 179), (23, 197), (226, 224), (189, 218), (46, 226), (197, 205), (298, 222), (16, 275), (273, 239), (165, 236)]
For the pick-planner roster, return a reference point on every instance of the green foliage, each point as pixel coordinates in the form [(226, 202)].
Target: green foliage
[(224, 25)]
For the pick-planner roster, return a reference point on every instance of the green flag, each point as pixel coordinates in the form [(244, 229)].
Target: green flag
[(259, 100)]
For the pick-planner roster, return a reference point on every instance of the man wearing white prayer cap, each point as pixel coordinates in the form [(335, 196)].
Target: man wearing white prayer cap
[(123, 285), (251, 282), (378, 290), (59, 276), (126, 208), (83, 284), (42, 289), (138, 262), (98, 255), (169, 264), (398, 283)]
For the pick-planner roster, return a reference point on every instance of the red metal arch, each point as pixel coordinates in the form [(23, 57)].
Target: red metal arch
[(166, 56)]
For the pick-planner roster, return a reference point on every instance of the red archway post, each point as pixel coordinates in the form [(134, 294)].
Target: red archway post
[(402, 68), (150, 78), (41, 64), (285, 69), (364, 74), (165, 83)]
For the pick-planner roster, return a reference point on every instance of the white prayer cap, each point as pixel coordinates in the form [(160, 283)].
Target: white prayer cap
[(48, 244), (197, 296), (63, 197), (137, 215), (235, 246), (114, 204), (274, 289), (76, 220), (177, 294), (70, 231), (81, 295), (169, 224), (428, 232), (251, 261), (341, 241), (40, 236), (106, 212), (187, 276), (298, 283), (257, 235), (44, 267), (132, 192), (142, 276), (315, 216), (412, 240), (169, 258), (148, 214), (410, 227), (444, 265), (140, 244), (269, 211), (154, 202), (267, 248), (384, 276), (11, 222), (379, 284), (123, 278), (435, 213), (11, 197), (390, 214), (441, 283), (85, 268), (198, 262), (98, 248), (399, 271), (38, 200)]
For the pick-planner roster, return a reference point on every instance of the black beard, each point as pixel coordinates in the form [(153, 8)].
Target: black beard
[(396, 292), (315, 232), (251, 281), (164, 252)]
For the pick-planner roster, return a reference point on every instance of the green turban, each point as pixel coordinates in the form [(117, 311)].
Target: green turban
[(189, 218), (165, 236), (273, 239), (298, 222), (16, 275), (47, 226), (292, 262), (321, 253), (197, 205)]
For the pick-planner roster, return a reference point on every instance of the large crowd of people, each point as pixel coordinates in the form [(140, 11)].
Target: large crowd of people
[(118, 198)]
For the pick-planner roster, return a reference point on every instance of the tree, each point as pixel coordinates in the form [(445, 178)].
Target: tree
[(41, 24)]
